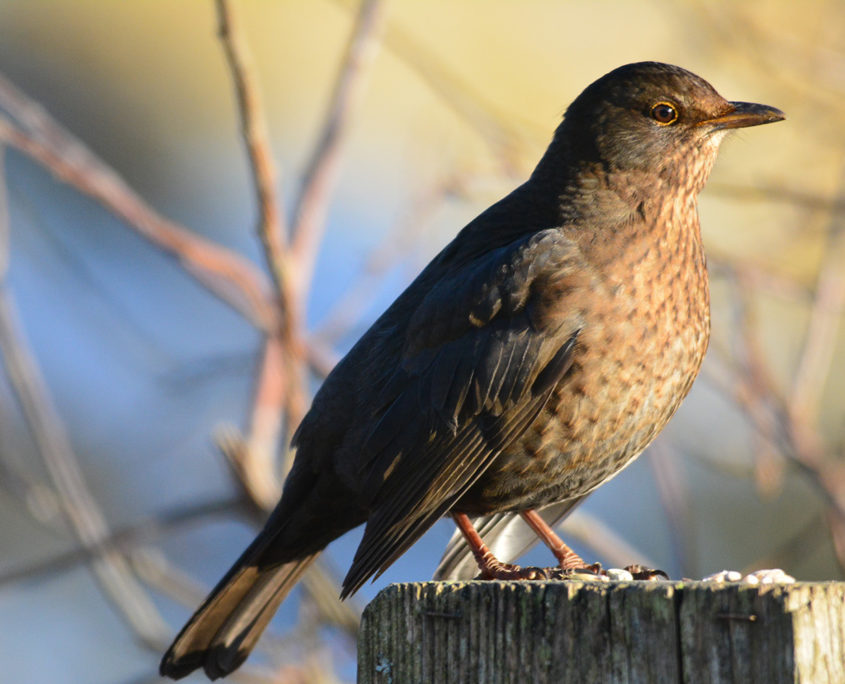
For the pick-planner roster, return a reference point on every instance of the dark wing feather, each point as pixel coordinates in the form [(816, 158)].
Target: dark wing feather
[(482, 354), (392, 529)]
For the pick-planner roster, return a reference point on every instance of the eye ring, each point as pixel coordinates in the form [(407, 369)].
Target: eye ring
[(664, 113)]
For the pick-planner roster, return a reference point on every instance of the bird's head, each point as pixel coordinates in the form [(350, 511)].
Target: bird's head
[(655, 117)]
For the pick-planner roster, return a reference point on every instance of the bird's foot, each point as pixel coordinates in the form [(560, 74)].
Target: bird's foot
[(639, 572), (589, 573), (508, 571), (596, 572), (593, 572)]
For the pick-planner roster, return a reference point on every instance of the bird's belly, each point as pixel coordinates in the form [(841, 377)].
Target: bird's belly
[(617, 397)]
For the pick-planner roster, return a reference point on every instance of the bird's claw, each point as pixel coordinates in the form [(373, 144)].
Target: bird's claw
[(508, 571), (640, 572), (589, 573)]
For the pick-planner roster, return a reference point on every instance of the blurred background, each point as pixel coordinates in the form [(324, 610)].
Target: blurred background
[(157, 352)]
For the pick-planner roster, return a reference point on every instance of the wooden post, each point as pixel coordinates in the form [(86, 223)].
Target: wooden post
[(585, 632)]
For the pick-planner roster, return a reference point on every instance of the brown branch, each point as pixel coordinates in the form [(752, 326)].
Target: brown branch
[(321, 357), (673, 495), (778, 194), (124, 539), (820, 341), (48, 432), (271, 224), (761, 390), (602, 539), (347, 310), (227, 275), (321, 583), (157, 572), (753, 387), (78, 505), (252, 464), (312, 203), (495, 128), (758, 276), (279, 394)]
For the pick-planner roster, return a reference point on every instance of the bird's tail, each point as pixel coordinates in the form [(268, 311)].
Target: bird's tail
[(223, 631)]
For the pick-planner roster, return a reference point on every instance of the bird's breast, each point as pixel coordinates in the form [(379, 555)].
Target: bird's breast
[(646, 333)]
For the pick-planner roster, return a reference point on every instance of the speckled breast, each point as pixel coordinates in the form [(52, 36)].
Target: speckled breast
[(646, 333)]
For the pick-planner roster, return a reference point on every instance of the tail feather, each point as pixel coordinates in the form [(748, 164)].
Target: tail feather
[(225, 628)]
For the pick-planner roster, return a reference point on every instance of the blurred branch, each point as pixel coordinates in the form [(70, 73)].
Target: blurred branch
[(279, 384), (279, 393), (778, 194), (673, 497), (279, 398), (820, 340), (157, 572), (494, 127), (77, 503), (227, 275), (768, 468), (758, 277), (349, 307), (271, 225), (322, 589), (800, 545), (751, 384), (810, 69), (122, 540), (321, 174), (606, 542), (258, 486)]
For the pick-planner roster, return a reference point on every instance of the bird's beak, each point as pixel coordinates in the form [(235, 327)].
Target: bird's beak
[(743, 115)]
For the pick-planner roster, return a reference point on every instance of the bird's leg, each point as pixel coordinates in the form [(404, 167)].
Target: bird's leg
[(568, 559), (490, 566)]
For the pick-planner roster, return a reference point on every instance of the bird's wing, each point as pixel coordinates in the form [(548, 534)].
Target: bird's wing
[(505, 534), (484, 349)]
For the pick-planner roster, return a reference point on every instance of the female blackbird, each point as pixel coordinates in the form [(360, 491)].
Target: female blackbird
[(537, 355)]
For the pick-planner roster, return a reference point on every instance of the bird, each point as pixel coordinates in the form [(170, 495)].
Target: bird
[(532, 359)]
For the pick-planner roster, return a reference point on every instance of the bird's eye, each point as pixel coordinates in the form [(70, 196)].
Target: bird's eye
[(664, 113)]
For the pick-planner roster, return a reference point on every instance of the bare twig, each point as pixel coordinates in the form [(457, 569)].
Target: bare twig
[(801, 544), (271, 224), (124, 539), (753, 387), (673, 497), (257, 477), (758, 277), (779, 194), (820, 340), (312, 204), (495, 128), (227, 275), (322, 588), (78, 505), (348, 308), (762, 389), (604, 541), (279, 385)]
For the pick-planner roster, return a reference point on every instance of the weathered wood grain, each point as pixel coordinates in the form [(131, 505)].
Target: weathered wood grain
[(560, 632)]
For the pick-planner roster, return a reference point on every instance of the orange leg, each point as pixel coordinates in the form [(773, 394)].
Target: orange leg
[(567, 558), (490, 566)]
